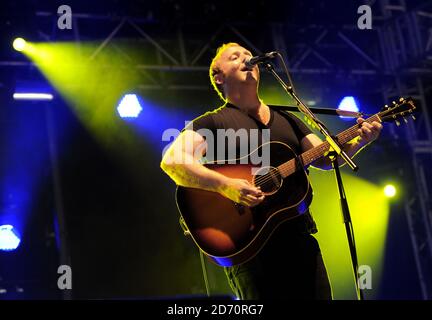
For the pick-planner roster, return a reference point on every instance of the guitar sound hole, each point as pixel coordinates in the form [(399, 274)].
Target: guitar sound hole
[(268, 179)]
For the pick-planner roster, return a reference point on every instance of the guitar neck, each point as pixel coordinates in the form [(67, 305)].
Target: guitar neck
[(316, 153)]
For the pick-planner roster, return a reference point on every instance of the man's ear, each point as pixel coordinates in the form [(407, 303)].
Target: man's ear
[(219, 78)]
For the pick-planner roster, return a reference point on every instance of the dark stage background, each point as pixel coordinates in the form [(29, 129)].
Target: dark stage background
[(83, 185)]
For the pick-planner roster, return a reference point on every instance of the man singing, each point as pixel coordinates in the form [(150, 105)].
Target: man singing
[(289, 265)]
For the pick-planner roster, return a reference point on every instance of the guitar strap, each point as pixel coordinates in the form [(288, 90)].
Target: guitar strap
[(310, 222), (284, 113), (183, 226)]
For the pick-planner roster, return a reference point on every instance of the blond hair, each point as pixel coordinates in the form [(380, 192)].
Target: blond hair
[(214, 69)]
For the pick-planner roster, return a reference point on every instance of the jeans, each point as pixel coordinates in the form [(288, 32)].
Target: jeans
[(289, 266)]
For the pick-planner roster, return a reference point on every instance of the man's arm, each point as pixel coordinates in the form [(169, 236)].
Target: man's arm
[(181, 163), (367, 134)]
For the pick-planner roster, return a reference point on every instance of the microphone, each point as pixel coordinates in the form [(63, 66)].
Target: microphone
[(253, 61)]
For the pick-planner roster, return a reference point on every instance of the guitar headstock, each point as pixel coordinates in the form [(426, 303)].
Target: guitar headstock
[(404, 107)]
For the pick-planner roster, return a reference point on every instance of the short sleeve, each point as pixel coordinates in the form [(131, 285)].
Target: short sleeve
[(205, 121), (300, 129), (205, 126)]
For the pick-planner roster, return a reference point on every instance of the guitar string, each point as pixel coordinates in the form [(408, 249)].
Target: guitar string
[(344, 135), (288, 166), (312, 152)]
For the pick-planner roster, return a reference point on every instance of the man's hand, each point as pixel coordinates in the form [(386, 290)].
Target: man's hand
[(242, 191), (368, 131)]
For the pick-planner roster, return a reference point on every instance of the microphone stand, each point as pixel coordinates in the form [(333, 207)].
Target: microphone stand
[(337, 151)]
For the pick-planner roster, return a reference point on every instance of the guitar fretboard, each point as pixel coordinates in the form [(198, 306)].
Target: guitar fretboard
[(314, 154)]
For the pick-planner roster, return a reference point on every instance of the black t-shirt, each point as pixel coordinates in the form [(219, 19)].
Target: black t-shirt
[(282, 126)]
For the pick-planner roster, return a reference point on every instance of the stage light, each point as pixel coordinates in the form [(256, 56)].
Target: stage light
[(348, 104), (19, 44), (129, 106), (33, 96), (9, 238), (390, 191)]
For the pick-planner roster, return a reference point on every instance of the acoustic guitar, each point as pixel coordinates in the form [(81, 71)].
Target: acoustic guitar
[(230, 233)]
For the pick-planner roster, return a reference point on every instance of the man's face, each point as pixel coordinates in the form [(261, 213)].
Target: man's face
[(234, 71)]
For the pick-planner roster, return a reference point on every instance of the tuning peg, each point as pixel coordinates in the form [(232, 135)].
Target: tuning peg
[(401, 99), (386, 107), (412, 116), (405, 120), (394, 102), (396, 121)]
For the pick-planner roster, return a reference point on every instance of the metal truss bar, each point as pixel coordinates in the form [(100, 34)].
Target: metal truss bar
[(416, 71), (384, 49), (77, 35), (64, 252), (393, 49), (149, 76), (423, 149), (44, 36), (154, 43), (321, 36), (191, 68), (206, 46), (319, 56), (142, 71), (401, 45), (181, 43), (396, 8), (424, 109), (388, 36), (417, 224), (92, 16), (246, 41), (413, 38), (386, 13), (279, 43), (424, 14), (172, 68), (173, 87), (417, 34), (309, 50), (429, 41), (412, 232), (303, 56), (418, 217), (108, 39), (423, 196), (388, 7), (76, 29), (357, 49), (16, 64)]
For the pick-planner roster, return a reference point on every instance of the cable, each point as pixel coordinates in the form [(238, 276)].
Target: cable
[(204, 270), (286, 71), (186, 232)]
